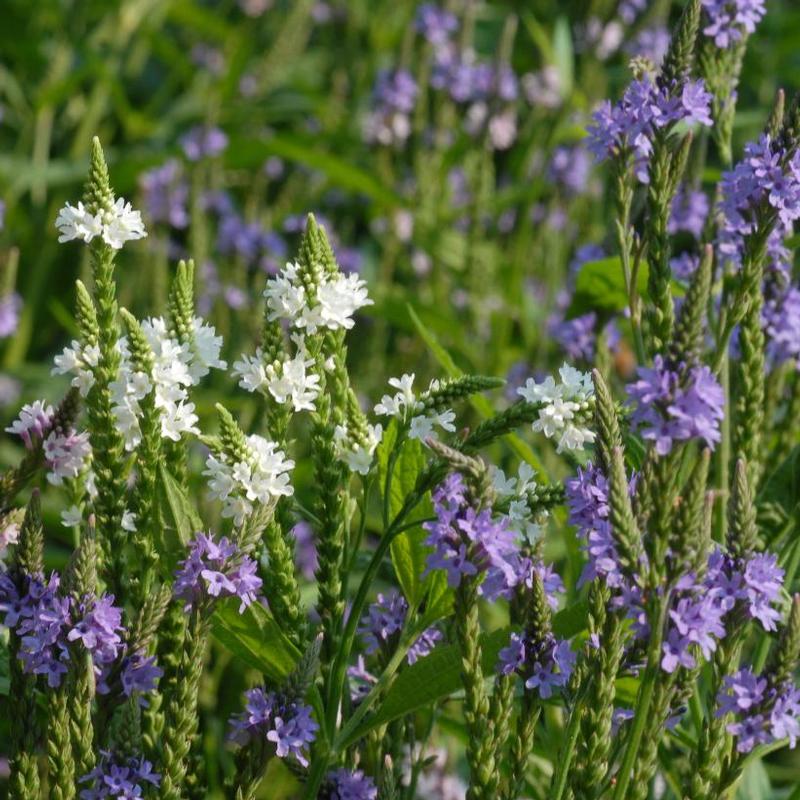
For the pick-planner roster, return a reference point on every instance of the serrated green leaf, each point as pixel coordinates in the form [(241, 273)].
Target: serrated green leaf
[(255, 638)]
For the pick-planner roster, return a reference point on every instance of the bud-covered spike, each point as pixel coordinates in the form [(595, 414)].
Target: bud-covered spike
[(86, 315), (688, 545), (787, 652), (29, 555), (679, 163), (742, 527), (608, 433), (775, 123), (446, 392), (98, 194), (141, 353), (234, 443), (180, 305), (304, 674), (80, 578), (687, 338), (680, 56), (623, 523)]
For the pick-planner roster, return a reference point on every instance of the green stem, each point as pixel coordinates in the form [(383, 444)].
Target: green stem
[(646, 691), (565, 759)]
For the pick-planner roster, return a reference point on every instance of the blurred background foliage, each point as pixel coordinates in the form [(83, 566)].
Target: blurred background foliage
[(460, 213)]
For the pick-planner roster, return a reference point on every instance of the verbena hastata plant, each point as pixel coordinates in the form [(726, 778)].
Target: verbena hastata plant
[(434, 611)]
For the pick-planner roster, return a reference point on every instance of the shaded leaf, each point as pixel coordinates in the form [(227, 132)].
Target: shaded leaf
[(438, 675), (255, 638)]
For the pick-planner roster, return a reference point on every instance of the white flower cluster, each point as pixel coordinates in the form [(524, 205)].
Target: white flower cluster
[(288, 381), (119, 224), (518, 510), (261, 478), (558, 416), (332, 305), (404, 406), (79, 362), (177, 367), (356, 449)]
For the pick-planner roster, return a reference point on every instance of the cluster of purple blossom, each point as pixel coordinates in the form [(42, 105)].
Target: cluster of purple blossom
[(165, 194), (689, 212), (729, 21), (766, 179), (781, 320), (203, 142), (697, 620), (750, 586), (467, 542), (344, 784), (381, 625), (763, 713), (249, 241), (394, 97), (589, 511), (49, 625), (117, 777), (216, 569), (485, 91), (645, 107), (544, 662), (569, 169), (672, 405), (10, 309), (288, 725)]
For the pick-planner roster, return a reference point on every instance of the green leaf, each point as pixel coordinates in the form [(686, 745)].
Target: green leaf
[(755, 783), (255, 638), (600, 285), (563, 55), (249, 153), (179, 520), (781, 487), (408, 550), (438, 675), (478, 402)]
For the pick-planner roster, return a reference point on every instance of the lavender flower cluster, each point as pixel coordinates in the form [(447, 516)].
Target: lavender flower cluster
[(215, 569), (676, 405), (50, 626), (287, 725), (467, 542), (119, 777), (645, 108), (381, 625)]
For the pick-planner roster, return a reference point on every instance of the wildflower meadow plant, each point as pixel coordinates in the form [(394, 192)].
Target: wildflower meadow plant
[(276, 577)]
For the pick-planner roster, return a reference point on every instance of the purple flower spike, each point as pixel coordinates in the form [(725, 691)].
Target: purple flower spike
[(216, 569), (343, 784), (117, 777), (466, 542), (288, 725), (381, 625), (545, 665), (666, 411)]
